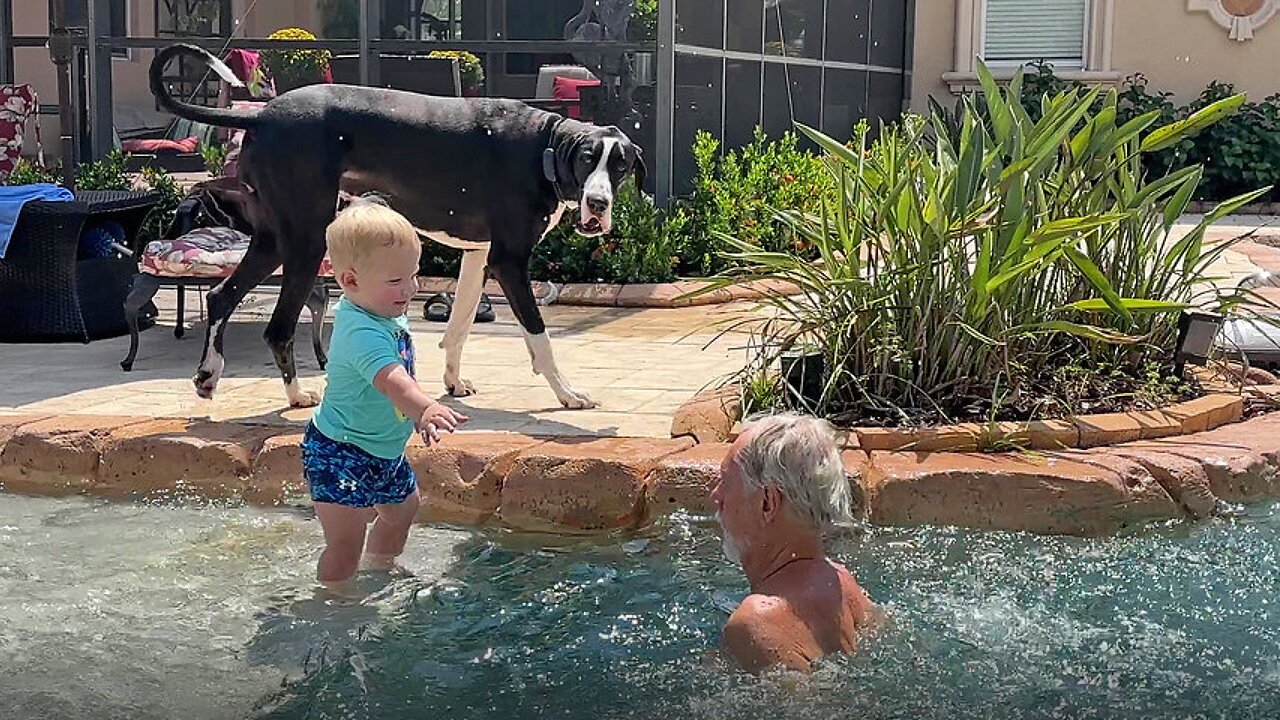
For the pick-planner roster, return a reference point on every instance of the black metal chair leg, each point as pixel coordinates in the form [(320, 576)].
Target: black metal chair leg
[(180, 327), (140, 293)]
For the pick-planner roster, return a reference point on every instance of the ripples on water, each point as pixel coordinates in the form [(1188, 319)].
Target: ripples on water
[(1176, 622)]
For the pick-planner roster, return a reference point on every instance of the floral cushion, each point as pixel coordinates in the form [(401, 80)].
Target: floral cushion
[(18, 104), (202, 253)]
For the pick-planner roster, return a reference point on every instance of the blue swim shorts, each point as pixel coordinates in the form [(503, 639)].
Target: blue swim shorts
[(344, 474)]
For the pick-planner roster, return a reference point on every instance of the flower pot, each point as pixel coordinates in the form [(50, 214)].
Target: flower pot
[(804, 372)]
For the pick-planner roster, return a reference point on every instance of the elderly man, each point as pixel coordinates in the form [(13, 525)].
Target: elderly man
[(781, 486)]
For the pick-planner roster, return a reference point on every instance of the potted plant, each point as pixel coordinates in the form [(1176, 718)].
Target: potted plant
[(470, 69), (295, 68)]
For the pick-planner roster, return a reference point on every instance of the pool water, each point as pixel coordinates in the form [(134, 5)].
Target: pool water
[(140, 611)]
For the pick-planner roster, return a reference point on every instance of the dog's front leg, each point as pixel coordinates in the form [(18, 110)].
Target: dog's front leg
[(465, 302), (514, 278)]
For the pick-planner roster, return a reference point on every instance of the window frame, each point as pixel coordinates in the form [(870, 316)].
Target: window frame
[(970, 40), (1081, 64)]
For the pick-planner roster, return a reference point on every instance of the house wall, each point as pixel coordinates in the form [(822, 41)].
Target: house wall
[(1179, 50), (134, 106)]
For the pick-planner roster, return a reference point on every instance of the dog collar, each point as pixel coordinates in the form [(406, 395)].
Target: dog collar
[(549, 172)]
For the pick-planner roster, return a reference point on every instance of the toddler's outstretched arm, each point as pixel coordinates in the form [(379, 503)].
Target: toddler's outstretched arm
[(430, 416)]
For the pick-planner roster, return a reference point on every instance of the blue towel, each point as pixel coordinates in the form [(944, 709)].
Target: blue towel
[(13, 198)]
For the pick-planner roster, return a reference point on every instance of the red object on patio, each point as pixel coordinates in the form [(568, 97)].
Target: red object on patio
[(567, 88)]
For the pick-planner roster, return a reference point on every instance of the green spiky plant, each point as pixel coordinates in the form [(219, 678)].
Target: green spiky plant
[(991, 256)]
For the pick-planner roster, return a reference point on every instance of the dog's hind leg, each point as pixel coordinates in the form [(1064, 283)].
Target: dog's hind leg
[(298, 282), (318, 305), (513, 276), (260, 260), (466, 300)]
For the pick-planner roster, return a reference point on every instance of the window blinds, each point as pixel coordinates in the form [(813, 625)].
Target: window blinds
[(1028, 30)]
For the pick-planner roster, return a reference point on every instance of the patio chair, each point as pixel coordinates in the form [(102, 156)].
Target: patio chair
[(570, 90), (202, 258), (50, 291), (18, 105)]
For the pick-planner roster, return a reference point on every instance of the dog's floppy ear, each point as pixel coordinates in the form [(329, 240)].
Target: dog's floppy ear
[(640, 170), (565, 153)]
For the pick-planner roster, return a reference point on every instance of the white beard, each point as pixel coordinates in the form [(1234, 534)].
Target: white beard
[(728, 545)]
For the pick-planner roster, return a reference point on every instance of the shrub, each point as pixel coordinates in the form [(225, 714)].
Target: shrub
[(109, 173), (738, 191), (973, 278), (29, 173), (294, 68), (645, 245)]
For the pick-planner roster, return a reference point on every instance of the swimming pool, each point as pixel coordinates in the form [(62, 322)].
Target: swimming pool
[(141, 611)]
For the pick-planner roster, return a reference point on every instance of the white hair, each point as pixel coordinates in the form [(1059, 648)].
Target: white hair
[(798, 455)]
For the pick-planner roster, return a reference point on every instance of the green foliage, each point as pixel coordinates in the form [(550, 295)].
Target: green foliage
[(644, 21), (1238, 151), (215, 158), (29, 173), (738, 192), (644, 246), (109, 173), (994, 266), (470, 69), (161, 217)]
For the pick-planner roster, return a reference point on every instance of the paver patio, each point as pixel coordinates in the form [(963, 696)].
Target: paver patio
[(639, 364)]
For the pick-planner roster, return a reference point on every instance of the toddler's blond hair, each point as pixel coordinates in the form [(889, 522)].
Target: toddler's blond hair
[(364, 228)]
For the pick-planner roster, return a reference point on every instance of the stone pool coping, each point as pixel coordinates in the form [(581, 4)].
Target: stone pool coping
[(592, 485), (713, 415)]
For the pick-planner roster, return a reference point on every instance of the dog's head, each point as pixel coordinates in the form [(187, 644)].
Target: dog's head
[(591, 162), (222, 202)]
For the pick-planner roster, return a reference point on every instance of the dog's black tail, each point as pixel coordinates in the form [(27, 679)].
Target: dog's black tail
[(222, 117)]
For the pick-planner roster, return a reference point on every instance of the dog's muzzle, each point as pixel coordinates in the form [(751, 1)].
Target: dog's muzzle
[(595, 215)]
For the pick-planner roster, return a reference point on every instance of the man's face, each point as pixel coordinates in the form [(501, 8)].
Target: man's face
[(738, 506)]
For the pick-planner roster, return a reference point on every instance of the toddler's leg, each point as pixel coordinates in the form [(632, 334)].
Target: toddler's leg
[(344, 529), (390, 530)]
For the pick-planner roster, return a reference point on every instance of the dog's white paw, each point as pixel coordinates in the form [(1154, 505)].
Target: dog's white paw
[(459, 387), (205, 386), (576, 399), (300, 398)]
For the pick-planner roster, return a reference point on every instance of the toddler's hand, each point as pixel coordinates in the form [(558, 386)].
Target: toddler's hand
[(436, 418)]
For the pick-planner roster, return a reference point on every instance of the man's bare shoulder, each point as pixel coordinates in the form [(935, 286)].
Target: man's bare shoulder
[(765, 631)]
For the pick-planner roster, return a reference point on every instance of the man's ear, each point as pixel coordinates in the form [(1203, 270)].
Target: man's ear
[(770, 502)]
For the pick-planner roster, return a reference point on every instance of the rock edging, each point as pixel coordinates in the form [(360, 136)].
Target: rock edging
[(592, 485), (713, 415)]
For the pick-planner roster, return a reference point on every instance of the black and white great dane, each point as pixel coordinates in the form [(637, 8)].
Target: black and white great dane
[(487, 176)]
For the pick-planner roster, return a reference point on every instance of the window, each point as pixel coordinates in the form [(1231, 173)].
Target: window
[(78, 16), (1073, 35), (1022, 31)]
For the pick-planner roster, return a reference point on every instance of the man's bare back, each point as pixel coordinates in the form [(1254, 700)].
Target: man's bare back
[(805, 610)]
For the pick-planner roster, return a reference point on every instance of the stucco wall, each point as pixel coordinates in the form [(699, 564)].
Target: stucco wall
[(1177, 49), (132, 100)]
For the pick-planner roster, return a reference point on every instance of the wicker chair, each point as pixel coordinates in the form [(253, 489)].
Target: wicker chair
[(48, 293)]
